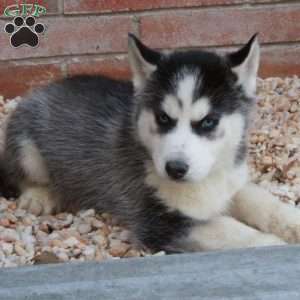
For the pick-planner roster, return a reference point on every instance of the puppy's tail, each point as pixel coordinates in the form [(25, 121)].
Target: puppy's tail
[(7, 188)]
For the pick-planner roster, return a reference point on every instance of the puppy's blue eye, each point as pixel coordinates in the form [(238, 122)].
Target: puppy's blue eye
[(206, 125), (209, 123)]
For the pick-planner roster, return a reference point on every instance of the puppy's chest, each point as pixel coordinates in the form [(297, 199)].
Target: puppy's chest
[(201, 201)]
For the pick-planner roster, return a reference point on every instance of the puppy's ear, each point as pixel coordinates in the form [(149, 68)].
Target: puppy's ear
[(245, 63), (143, 60)]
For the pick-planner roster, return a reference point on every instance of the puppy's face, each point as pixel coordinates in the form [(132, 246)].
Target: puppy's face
[(192, 111)]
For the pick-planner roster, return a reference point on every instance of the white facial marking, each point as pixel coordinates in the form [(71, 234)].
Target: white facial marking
[(200, 109), (202, 154), (186, 88), (192, 111), (171, 106)]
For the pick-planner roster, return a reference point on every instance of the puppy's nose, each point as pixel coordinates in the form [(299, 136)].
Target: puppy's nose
[(176, 169)]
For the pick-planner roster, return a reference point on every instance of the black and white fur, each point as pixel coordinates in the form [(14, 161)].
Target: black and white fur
[(165, 155)]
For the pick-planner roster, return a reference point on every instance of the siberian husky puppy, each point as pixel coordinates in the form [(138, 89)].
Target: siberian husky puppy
[(166, 154)]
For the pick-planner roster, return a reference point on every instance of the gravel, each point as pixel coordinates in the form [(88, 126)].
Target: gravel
[(274, 141), (274, 160)]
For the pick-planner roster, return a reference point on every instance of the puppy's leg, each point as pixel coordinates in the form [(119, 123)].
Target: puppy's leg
[(227, 233), (34, 185), (259, 208)]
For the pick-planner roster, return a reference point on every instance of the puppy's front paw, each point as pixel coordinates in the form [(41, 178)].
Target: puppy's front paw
[(287, 224), (36, 200), (267, 240), (291, 233)]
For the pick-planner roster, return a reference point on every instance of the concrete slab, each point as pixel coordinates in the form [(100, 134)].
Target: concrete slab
[(263, 274)]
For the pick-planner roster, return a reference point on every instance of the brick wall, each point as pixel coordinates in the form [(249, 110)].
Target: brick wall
[(90, 36)]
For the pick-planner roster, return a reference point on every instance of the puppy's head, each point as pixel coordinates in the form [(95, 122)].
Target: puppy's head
[(192, 107)]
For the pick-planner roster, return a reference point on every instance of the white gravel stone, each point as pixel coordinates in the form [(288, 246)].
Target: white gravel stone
[(71, 242), (89, 252), (62, 256), (99, 240), (84, 228), (9, 235), (20, 250), (7, 248), (87, 213), (3, 205), (97, 223)]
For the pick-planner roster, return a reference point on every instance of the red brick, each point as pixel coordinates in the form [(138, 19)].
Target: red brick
[(83, 6), (52, 6), (112, 67), (71, 36), (226, 26), (280, 61), (17, 80), (106, 6)]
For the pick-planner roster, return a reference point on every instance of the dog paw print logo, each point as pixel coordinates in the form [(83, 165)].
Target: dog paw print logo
[(24, 31)]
